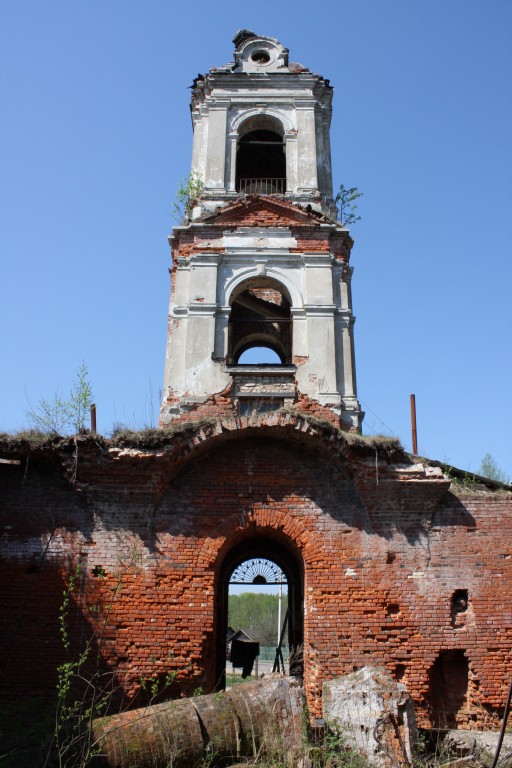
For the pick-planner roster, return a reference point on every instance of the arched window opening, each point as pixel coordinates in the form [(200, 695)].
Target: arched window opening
[(260, 318), (257, 634), (261, 157), (260, 611), (259, 355)]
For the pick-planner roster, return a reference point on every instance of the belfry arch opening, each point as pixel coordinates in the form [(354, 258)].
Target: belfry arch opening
[(269, 638), (261, 157), (260, 319), (259, 355)]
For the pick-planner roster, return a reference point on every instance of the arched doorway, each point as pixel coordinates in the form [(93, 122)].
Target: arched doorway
[(289, 563)]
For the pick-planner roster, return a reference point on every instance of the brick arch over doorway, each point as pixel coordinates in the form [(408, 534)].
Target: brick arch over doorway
[(271, 498)]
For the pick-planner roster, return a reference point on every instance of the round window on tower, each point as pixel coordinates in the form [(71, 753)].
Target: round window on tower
[(260, 57)]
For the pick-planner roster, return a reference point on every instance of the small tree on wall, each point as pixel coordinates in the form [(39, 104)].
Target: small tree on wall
[(187, 193), (490, 469), (80, 399), (346, 204), (59, 416)]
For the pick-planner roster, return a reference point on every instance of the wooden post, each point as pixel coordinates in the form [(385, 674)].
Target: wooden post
[(413, 424)]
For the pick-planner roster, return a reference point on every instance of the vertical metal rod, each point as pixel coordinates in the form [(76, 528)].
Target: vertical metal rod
[(279, 607), (503, 728), (93, 419), (413, 424)]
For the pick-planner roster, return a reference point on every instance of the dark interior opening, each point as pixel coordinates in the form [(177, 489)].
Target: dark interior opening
[(448, 688), (459, 605), (249, 406), (261, 163), (459, 601)]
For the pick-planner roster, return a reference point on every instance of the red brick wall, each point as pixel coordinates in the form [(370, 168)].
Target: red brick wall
[(381, 553)]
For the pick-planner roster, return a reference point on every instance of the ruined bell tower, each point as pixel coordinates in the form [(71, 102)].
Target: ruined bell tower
[(386, 559), (260, 262)]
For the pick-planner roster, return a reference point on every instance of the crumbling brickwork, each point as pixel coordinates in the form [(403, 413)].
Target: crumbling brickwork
[(381, 544)]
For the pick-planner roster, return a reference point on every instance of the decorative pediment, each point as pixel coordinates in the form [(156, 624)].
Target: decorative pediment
[(265, 211)]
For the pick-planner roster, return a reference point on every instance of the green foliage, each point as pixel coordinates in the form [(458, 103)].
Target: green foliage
[(188, 191), (335, 751), (59, 416), (256, 613), (80, 399), (63, 611), (50, 416), (234, 678), (155, 686), (149, 684), (467, 482), (430, 752), (74, 713), (489, 468), (346, 203)]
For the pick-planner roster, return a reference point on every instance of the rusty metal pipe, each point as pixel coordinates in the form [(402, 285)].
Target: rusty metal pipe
[(413, 424), (93, 418)]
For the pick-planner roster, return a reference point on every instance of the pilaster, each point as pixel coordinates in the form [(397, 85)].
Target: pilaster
[(216, 142)]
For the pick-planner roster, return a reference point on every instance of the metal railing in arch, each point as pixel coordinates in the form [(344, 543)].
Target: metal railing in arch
[(262, 186)]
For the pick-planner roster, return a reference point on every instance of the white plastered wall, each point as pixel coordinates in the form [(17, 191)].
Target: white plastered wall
[(301, 106), (320, 309)]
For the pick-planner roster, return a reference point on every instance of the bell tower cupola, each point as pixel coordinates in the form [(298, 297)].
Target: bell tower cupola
[(261, 125), (260, 315)]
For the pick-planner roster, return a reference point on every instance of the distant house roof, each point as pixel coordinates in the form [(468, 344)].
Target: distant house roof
[(238, 635)]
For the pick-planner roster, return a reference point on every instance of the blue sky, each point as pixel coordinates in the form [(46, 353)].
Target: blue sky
[(95, 136)]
